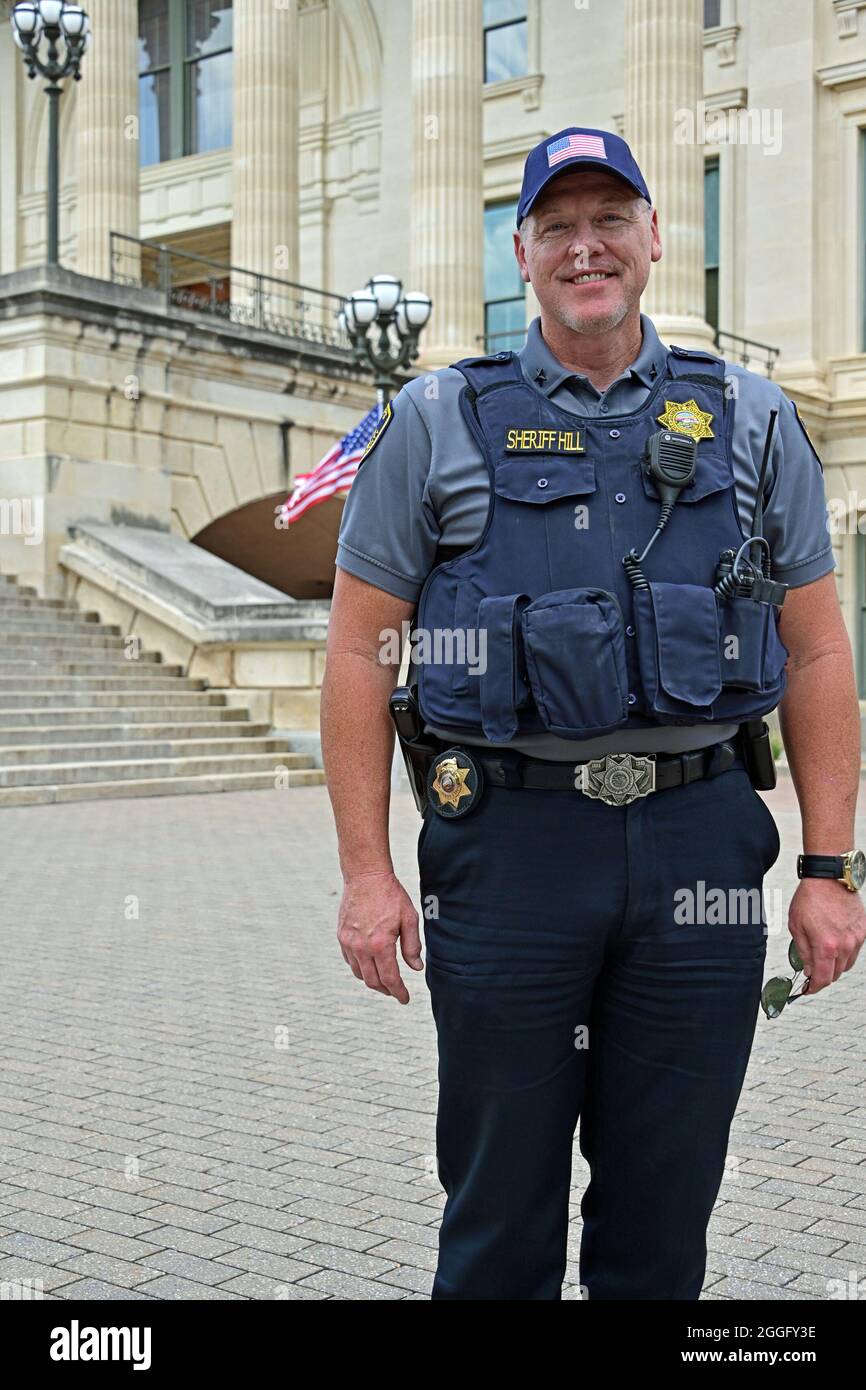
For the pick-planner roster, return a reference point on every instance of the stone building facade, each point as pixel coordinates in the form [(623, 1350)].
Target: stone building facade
[(320, 141)]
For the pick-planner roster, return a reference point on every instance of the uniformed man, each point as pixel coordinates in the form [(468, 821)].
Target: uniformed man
[(569, 528)]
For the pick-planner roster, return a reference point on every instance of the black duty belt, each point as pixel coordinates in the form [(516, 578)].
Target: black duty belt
[(456, 774)]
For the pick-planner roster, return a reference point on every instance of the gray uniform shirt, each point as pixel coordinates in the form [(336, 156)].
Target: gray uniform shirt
[(426, 484)]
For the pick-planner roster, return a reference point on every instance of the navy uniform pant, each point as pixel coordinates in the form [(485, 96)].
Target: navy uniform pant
[(585, 968)]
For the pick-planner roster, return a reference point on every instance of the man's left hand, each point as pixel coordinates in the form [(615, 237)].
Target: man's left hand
[(828, 923)]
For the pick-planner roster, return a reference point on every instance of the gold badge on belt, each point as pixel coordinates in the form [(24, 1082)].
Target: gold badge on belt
[(454, 783)]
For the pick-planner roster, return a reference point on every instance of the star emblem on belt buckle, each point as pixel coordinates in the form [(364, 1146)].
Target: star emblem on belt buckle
[(618, 778)]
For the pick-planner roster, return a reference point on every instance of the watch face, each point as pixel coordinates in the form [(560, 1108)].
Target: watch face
[(858, 868)]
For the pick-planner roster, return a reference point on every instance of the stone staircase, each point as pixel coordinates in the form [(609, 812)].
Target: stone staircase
[(80, 720)]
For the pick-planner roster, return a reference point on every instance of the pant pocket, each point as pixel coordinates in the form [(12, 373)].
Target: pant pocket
[(575, 661), (768, 831), (424, 843), (677, 631), (425, 826), (752, 653)]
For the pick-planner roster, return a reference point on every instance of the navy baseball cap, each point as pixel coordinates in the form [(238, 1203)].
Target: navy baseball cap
[(577, 148)]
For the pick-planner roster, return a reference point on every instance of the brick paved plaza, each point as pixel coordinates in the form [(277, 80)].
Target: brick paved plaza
[(198, 1100)]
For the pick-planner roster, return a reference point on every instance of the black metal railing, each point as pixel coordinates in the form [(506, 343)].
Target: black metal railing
[(241, 297), (746, 351), (497, 342)]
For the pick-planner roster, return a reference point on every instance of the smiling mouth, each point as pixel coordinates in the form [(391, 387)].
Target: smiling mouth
[(592, 277)]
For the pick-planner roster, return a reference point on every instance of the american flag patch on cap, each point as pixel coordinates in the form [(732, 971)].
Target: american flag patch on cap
[(571, 145)]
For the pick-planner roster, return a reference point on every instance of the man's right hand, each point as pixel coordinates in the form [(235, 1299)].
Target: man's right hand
[(376, 912)]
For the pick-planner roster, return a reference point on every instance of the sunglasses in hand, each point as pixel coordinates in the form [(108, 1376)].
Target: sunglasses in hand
[(777, 992)]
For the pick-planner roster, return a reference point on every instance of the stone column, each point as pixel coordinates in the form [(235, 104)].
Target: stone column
[(318, 30), (447, 206), (11, 73), (265, 141), (108, 148), (663, 124)]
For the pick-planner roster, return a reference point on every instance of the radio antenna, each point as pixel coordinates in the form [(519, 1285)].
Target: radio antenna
[(757, 553)]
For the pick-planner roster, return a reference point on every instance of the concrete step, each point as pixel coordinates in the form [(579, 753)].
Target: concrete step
[(80, 720), (83, 716), (39, 735), (108, 699), (35, 612), (60, 774), (159, 786), (74, 642), (48, 666), (14, 603), (80, 648), (54, 627), (9, 583), (140, 750), (118, 680)]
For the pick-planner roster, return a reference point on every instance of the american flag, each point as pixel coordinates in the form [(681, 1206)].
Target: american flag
[(336, 470), (571, 145)]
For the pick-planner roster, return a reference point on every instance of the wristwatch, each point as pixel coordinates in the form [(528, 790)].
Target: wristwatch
[(849, 868)]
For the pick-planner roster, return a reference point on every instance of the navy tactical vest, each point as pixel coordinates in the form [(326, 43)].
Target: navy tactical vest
[(538, 627)]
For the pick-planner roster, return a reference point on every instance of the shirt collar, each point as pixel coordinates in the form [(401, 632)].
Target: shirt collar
[(545, 371)]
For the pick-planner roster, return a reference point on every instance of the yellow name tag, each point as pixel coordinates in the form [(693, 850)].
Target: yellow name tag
[(528, 441)]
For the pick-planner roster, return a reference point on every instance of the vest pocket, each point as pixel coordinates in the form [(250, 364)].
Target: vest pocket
[(575, 661), (502, 680), (752, 652), (677, 630), (464, 636)]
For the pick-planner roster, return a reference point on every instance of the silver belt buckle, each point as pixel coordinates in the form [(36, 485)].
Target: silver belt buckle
[(618, 778)]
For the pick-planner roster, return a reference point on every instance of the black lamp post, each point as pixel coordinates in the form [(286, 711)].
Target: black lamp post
[(65, 29), (399, 319)]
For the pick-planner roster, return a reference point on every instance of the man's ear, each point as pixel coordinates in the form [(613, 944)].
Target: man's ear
[(656, 252), (520, 255)]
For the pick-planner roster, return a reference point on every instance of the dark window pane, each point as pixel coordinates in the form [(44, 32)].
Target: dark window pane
[(210, 103), (712, 13), (208, 26), (504, 291), (505, 52), (505, 325), (498, 11), (152, 34), (711, 215), (501, 275), (153, 111), (711, 279)]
